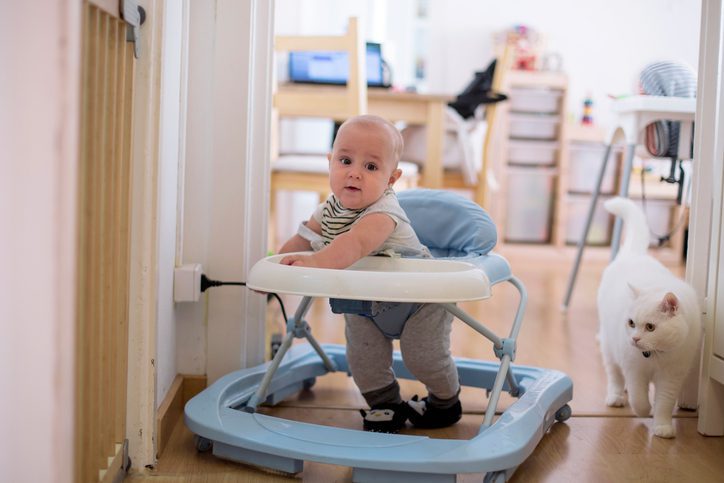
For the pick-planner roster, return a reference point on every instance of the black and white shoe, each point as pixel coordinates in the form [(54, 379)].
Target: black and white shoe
[(385, 418), (422, 415)]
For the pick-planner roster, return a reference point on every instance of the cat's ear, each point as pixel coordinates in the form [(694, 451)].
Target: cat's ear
[(636, 292), (670, 304)]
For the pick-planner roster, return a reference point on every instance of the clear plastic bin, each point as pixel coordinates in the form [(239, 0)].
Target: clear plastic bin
[(533, 126), (535, 100), (584, 164), (659, 215), (529, 204), (601, 224), (536, 153)]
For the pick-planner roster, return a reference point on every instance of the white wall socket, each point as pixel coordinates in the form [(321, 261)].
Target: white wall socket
[(187, 283)]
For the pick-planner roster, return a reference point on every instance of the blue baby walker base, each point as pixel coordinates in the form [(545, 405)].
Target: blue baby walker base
[(224, 416), (218, 417)]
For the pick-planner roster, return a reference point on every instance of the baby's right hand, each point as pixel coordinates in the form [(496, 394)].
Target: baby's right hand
[(298, 261)]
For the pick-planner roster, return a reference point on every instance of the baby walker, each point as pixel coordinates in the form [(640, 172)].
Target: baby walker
[(461, 235)]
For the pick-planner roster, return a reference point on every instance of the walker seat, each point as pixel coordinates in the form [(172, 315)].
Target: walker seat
[(224, 416)]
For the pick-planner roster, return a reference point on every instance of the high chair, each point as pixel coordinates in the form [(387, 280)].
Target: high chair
[(461, 235), (633, 114)]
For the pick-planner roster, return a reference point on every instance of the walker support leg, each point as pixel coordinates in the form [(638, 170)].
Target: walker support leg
[(260, 393), (367, 475), (328, 363), (256, 458), (495, 394), (521, 307), (295, 328), (623, 192), (460, 314), (586, 227)]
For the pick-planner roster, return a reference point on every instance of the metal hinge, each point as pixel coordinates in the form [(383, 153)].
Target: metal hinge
[(135, 16)]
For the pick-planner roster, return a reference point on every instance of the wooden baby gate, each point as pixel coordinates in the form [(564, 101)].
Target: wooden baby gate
[(103, 243)]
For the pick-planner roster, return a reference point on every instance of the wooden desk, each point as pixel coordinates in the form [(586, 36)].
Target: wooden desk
[(420, 109)]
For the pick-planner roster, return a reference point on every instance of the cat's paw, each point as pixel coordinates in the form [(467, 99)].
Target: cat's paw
[(664, 431), (615, 400), (688, 405)]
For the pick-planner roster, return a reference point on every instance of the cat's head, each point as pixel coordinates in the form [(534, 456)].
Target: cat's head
[(655, 321)]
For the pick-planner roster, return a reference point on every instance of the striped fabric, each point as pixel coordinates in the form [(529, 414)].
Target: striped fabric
[(336, 219), (671, 79)]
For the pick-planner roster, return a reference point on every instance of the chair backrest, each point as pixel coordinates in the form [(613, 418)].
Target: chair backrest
[(334, 102), (502, 65), (449, 224)]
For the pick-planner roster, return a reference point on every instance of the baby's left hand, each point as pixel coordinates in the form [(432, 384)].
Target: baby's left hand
[(299, 261)]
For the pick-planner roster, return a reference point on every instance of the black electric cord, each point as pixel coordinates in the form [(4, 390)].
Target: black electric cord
[(207, 283)]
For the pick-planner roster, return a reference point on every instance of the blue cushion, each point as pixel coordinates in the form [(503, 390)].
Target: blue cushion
[(450, 225)]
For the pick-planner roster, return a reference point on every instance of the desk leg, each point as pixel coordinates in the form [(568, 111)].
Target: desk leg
[(433, 171), (586, 227), (622, 192)]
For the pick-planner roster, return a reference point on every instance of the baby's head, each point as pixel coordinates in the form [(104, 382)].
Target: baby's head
[(363, 161)]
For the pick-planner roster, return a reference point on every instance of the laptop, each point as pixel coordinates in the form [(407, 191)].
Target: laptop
[(332, 67)]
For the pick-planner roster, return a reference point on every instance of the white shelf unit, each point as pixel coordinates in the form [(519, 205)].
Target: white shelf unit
[(531, 158)]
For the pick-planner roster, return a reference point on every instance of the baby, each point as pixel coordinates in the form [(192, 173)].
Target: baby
[(363, 217)]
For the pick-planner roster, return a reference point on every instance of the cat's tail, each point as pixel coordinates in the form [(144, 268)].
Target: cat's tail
[(634, 222)]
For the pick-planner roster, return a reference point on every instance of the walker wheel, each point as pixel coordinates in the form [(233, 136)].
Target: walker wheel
[(495, 477), (563, 413), (202, 444), (308, 383)]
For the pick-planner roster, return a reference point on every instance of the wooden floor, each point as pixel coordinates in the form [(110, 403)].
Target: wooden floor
[(598, 444)]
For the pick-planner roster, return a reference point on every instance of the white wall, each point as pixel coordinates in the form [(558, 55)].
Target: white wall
[(604, 43), (226, 182), (39, 94), (170, 119)]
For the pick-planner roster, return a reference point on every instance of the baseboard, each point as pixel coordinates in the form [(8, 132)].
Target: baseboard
[(183, 388)]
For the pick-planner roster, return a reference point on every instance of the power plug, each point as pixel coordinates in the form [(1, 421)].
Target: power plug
[(187, 283)]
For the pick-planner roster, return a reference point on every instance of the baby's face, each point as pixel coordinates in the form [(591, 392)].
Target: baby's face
[(362, 164)]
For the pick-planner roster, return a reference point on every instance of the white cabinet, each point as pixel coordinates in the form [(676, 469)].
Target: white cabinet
[(531, 158)]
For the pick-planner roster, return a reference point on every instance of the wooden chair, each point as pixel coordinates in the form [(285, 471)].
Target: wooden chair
[(309, 172), (455, 177)]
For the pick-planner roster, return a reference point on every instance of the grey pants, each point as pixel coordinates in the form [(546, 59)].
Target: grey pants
[(425, 348)]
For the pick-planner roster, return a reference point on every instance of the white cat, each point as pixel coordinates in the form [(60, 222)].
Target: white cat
[(650, 325)]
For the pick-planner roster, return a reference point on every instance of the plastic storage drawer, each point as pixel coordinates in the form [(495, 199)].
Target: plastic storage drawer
[(535, 100), (529, 204), (600, 230), (584, 165), (532, 126), (536, 153)]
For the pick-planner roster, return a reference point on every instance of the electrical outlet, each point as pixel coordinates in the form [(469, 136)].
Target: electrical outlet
[(187, 283)]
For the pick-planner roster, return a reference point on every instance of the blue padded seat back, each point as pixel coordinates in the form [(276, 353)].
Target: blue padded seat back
[(449, 224)]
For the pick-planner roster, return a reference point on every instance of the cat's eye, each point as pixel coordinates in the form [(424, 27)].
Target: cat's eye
[(631, 323), (650, 327)]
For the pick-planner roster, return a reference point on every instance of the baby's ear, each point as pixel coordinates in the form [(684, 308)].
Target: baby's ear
[(394, 177), (670, 304), (636, 292)]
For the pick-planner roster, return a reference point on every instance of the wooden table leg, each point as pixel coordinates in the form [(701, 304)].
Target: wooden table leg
[(433, 170)]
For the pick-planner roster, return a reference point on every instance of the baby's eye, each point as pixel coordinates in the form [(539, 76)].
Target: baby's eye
[(631, 323), (650, 327), (345, 161), (371, 167)]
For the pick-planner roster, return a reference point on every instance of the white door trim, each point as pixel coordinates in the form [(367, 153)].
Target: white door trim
[(704, 266)]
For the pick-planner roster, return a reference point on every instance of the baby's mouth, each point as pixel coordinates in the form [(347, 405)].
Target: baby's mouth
[(351, 188)]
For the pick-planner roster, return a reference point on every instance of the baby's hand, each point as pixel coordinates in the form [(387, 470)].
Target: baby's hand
[(299, 261)]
